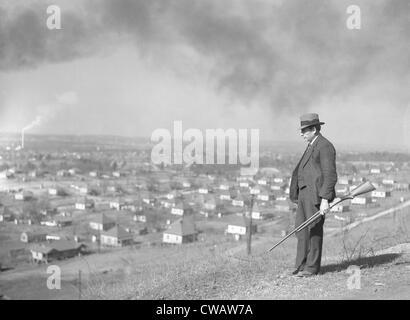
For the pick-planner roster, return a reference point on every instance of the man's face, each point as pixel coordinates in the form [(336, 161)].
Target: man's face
[(308, 133)]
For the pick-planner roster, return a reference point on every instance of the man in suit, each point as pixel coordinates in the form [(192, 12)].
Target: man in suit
[(312, 188)]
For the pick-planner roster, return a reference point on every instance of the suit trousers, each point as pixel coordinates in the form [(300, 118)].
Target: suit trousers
[(310, 239)]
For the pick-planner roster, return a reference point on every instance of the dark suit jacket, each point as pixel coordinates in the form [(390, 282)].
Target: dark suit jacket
[(318, 170)]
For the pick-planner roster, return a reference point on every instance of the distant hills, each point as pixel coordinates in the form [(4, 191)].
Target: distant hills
[(56, 141)]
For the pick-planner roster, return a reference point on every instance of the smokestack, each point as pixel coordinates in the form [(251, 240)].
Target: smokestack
[(36, 122)]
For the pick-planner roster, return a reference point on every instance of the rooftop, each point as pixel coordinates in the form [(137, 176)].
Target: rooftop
[(118, 232), (182, 227)]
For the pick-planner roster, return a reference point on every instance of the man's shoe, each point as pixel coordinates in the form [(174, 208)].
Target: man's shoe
[(305, 274), (298, 270), (295, 272)]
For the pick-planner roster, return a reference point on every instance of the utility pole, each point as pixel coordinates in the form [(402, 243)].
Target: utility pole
[(79, 284), (249, 243), (99, 235)]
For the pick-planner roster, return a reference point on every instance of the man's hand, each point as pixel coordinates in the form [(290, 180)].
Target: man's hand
[(324, 206)]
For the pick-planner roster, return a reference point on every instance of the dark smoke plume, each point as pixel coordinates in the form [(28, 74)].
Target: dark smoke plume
[(286, 54)]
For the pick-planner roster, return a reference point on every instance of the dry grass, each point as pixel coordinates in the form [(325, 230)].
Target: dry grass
[(207, 270), (198, 272), (193, 274)]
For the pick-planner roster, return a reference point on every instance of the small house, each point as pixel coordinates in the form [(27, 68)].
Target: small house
[(73, 171), (238, 201), (278, 180), (181, 231), (94, 174), (56, 250), (58, 221), (262, 182), (244, 184), (256, 212), (62, 173), (281, 197), (255, 190), (173, 195), (63, 221), (278, 186), (178, 209), (340, 208), (5, 215), (102, 223), (28, 237), (84, 190), (402, 186), (118, 174), (186, 184), (24, 196), (140, 218), (53, 237), (56, 191), (381, 193), (181, 209), (33, 174), (84, 204), (146, 198), (361, 200), (117, 204), (240, 228), (203, 190), (225, 195), (225, 186), (345, 180), (116, 237), (167, 203), (265, 196), (6, 174), (388, 182), (341, 189)]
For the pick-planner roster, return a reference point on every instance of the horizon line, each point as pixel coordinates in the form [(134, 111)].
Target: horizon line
[(390, 147)]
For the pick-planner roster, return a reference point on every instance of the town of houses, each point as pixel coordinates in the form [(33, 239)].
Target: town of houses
[(54, 211)]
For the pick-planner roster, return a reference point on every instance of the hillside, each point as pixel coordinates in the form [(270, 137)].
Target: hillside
[(229, 274), (217, 273), (221, 270)]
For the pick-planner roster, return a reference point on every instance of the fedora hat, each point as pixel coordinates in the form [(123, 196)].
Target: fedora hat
[(309, 119)]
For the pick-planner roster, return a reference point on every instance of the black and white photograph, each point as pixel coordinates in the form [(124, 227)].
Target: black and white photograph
[(188, 150)]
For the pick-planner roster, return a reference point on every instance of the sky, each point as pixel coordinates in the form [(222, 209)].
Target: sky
[(129, 67)]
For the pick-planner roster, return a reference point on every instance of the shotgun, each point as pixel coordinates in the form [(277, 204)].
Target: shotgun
[(365, 187)]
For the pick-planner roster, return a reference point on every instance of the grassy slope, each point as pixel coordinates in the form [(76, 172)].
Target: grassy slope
[(219, 269), (200, 271)]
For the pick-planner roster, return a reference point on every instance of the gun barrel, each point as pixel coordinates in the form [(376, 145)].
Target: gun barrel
[(361, 189), (307, 222)]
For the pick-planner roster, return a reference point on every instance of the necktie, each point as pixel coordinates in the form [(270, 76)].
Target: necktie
[(309, 146), (307, 149)]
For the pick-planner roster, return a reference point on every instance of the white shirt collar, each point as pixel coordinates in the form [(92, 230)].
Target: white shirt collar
[(311, 143)]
